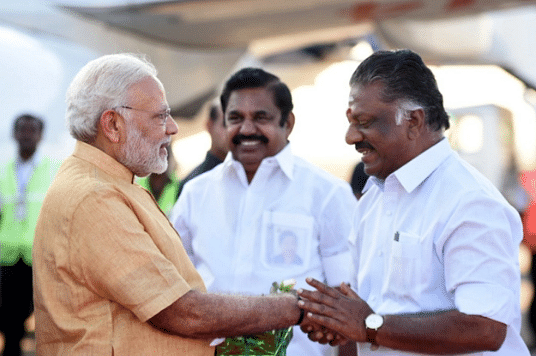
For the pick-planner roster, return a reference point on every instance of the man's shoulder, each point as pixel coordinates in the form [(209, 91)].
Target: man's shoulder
[(79, 178), (202, 180), (304, 168), (456, 174)]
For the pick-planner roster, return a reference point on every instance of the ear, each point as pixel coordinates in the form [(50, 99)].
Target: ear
[(111, 125), (209, 125), (289, 124), (416, 123)]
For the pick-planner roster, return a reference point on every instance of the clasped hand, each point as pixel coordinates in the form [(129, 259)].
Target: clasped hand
[(333, 315)]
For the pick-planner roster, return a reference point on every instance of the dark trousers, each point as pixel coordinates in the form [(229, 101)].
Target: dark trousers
[(16, 304)]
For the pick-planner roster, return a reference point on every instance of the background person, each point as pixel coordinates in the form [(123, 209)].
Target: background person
[(358, 180), (230, 218), (111, 276), (24, 181), (435, 244), (218, 144)]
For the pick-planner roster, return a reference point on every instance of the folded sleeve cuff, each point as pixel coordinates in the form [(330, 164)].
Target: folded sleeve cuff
[(488, 300)]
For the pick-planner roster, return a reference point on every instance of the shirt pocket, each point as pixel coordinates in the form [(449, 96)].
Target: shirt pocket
[(287, 240), (403, 268)]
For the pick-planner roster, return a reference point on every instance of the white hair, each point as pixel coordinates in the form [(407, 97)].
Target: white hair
[(404, 107), (101, 85)]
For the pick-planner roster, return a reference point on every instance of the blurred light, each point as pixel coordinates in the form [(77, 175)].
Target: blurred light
[(190, 151), (321, 124), (467, 86), (361, 50), (530, 96), (471, 133)]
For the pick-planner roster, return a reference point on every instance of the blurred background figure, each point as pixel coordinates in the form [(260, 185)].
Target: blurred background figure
[(24, 181), (358, 180), (218, 146), (164, 186)]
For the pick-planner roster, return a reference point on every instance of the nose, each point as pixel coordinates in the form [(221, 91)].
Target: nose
[(247, 127), (171, 127), (353, 135)]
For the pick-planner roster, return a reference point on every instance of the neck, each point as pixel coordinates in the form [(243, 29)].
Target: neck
[(434, 138), (26, 155), (218, 153)]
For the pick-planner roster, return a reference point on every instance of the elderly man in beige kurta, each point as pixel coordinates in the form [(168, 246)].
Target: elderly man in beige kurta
[(142, 266)]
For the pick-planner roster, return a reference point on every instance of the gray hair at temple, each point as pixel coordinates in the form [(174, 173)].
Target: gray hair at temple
[(407, 80), (102, 84)]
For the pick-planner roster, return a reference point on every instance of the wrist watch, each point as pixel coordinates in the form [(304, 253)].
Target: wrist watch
[(372, 323)]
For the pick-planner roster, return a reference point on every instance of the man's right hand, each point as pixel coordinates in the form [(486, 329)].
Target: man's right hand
[(338, 312)]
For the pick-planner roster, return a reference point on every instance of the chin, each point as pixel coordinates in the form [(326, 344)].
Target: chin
[(161, 168)]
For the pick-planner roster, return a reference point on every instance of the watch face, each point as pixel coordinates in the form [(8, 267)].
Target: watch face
[(374, 321)]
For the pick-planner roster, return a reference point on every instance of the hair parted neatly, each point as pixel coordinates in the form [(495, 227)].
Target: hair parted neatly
[(102, 84), (406, 79)]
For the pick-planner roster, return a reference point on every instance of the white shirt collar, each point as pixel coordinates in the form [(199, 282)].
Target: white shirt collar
[(284, 159), (413, 173)]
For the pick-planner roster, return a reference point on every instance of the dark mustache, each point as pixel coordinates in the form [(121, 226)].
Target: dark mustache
[(364, 145), (239, 138)]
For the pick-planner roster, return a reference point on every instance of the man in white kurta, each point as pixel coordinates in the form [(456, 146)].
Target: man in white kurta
[(460, 252), (291, 220), (435, 245)]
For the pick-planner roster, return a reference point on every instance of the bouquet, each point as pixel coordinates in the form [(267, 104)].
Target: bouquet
[(269, 343)]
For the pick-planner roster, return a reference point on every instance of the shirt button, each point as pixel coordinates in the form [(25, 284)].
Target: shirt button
[(389, 213)]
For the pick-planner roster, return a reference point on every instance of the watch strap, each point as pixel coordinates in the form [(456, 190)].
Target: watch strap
[(371, 337)]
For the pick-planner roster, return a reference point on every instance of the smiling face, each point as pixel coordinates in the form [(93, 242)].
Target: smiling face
[(373, 130), (253, 127)]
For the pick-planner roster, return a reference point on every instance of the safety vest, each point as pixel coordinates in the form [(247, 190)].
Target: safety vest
[(16, 236), (168, 197)]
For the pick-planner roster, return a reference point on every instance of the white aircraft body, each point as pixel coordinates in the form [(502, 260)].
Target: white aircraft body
[(196, 44)]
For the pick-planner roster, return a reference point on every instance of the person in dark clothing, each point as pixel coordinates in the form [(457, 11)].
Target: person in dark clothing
[(358, 179), (218, 149)]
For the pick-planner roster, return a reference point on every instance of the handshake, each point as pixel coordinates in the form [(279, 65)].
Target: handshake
[(333, 315), (327, 316)]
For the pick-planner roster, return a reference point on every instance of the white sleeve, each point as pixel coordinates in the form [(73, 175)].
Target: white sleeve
[(481, 258), (335, 225), (179, 218)]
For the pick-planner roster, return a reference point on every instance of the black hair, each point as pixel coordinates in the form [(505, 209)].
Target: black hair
[(19, 118), (405, 77), (258, 78)]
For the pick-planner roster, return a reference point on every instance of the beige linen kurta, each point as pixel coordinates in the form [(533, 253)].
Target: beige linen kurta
[(106, 259)]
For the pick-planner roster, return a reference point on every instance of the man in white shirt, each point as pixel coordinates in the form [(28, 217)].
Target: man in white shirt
[(265, 215), (435, 244)]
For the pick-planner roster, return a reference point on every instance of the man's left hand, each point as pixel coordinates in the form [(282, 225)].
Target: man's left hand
[(338, 312)]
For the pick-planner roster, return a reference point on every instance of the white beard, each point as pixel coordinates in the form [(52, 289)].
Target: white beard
[(141, 156)]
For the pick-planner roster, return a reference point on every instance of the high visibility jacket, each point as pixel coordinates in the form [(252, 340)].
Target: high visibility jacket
[(16, 236), (169, 194)]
